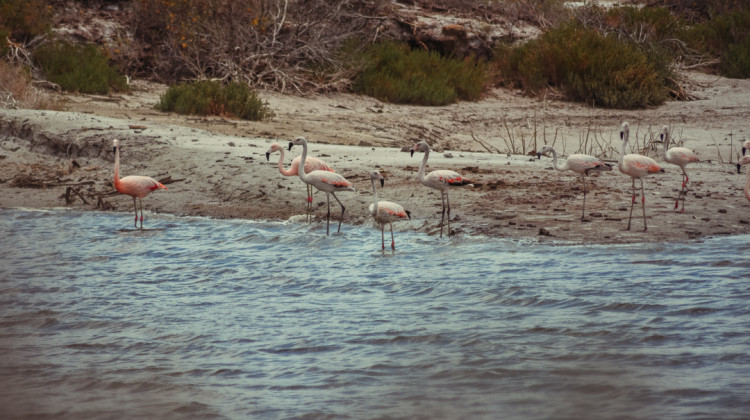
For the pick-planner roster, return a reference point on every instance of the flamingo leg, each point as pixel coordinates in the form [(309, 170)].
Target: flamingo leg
[(140, 201), (442, 216), (632, 203), (328, 212), (135, 207), (643, 202), (583, 210), (343, 209), (393, 241), (382, 236), (448, 201)]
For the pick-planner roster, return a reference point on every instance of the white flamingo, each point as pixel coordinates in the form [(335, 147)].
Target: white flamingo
[(311, 164), (441, 180), (745, 161), (679, 156), (328, 182), (580, 164), (635, 166), (385, 211)]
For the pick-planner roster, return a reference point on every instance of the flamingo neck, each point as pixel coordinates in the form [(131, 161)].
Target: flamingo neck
[(281, 164), (625, 136), (747, 185), (375, 194), (666, 144), (117, 168), (301, 170), (554, 160), (420, 174)]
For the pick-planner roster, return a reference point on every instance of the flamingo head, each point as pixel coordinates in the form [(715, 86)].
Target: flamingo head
[(375, 175), (420, 147), (624, 130), (115, 145), (664, 133), (744, 161), (298, 140), (745, 147), (546, 150), (275, 147)]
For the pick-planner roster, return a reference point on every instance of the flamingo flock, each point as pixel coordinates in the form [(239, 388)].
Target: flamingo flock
[(315, 173)]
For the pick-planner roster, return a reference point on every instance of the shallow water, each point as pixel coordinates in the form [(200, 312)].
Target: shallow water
[(237, 319)]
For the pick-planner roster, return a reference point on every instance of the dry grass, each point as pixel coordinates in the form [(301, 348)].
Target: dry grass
[(17, 90)]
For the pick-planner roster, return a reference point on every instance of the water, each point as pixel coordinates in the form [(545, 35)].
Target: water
[(238, 319)]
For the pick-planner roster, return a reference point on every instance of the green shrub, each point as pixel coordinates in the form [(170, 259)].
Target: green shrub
[(397, 74), (725, 37), (79, 68), (588, 66), (736, 60), (24, 19), (208, 97)]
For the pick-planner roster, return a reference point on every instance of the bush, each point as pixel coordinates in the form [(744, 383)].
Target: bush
[(207, 97), (79, 68), (725, 37), (24, 19), (16, 90), (588, 66), (397, 74)]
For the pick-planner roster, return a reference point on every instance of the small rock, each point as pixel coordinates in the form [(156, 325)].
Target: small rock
[(722, 210), (448, 155), (231, 144), (544, 232)]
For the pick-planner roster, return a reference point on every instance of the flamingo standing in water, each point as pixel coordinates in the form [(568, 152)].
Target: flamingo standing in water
[(133, 185), (635, 166), (679, 156), (326, 181), (580, 164), (385, 211), (311, 164), (441, 180), (744, 161)]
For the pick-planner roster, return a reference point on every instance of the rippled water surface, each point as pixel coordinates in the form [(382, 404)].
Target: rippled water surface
[(237, 319)]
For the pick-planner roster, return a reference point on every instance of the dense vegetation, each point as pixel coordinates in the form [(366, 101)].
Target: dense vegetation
[(232, 99), (621, 57)]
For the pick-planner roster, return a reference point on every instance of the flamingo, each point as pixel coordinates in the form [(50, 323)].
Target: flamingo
[(679, 156), (745, 146), (580, 164), (385, 211), (133, 185), (440, 180), (328, 182), (635, 166), (311, 164), (744, 161)]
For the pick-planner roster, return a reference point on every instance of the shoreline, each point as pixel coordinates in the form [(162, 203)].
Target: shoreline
[(217, 168)]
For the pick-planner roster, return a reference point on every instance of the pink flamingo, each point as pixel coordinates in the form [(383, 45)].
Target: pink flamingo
[(385, 211), (311, 164), (328, 182), (580, 164), (679, 156), (744, 161), (133, 185), (635, 166), (440, 180)]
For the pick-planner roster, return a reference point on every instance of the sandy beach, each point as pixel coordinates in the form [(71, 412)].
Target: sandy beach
[(217, 167)]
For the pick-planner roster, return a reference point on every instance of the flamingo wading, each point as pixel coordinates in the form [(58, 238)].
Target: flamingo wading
[(635, 166), (311, 164), (326, 181), (679, 156), (385, 211), (442, 180), (580, 164), (133, 185)]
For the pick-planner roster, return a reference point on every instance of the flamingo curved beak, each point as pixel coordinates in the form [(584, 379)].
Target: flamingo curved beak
[(739, 168), (290, 145), (382, 182), (539, 155), (743, 151), (268, 157)]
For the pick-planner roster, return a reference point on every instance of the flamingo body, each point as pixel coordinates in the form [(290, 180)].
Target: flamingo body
[(680, 156), (636, 167), (442, 180), (311, 164), (326, 181), (133, 185), (580, 164), (385, 211)]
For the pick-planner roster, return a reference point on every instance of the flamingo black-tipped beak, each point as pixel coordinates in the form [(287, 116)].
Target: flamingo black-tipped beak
[(538, 155), (743, 151), (268, 156), (382, 183), (290, 145), (411, 153), (739, 168), (621, 135)]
